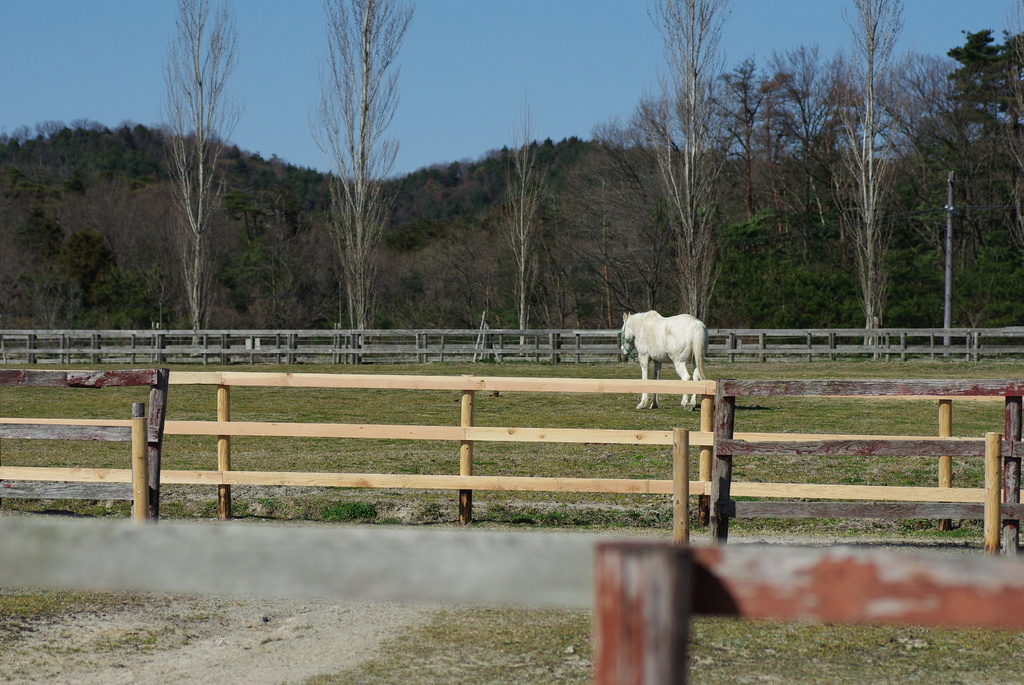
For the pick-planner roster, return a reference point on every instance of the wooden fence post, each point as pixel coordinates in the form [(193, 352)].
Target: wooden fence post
[(681, 486), (466, 459), (707, 425), (993, 481), (155, 436), (223, 452), (945, 463), (1011, 473), (721, 468), (642, 613), (140, 465)]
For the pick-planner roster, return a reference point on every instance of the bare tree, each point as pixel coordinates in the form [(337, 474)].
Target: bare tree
[(808, 122), (925, 107), (745, 95), (358, 97), (525, 185), (634, 247), (1014, 134), (875, 26), (199, 116), (683, 133)]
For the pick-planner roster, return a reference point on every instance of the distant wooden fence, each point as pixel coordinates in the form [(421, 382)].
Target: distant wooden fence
[(343, 346), (642, 594), (139, 483)]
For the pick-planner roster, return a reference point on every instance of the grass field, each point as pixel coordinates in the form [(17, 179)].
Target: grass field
[(519, 645)]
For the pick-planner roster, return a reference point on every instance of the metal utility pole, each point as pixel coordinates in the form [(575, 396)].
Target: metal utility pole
[(947, 318)]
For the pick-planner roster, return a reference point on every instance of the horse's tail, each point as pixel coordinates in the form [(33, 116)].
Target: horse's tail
[(700, 351)]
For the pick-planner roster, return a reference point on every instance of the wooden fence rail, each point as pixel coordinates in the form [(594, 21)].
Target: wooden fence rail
[(338, 346), (642, 594)]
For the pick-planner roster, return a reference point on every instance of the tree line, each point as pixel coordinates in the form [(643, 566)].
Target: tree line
[(90, 217)]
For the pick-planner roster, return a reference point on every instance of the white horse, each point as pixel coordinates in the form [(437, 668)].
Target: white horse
[(656, 340)]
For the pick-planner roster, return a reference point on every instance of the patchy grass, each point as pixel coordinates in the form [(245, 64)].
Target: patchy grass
[(21, 611), (494, 645), (731, 650), (548, 647), (350, 511)]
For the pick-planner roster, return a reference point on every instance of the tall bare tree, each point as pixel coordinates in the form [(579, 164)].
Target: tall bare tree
[(358, 97), (875, 26), (808, 121), (199, 117), (745, 94), (1013, 132), (525, 185), (684, 134), (635, 242)]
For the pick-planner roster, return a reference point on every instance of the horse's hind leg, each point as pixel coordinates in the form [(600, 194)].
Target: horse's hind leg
[(655, 376), (688, 401)]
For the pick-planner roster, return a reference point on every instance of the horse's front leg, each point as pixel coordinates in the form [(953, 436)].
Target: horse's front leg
[(645, 363), (656, 375)]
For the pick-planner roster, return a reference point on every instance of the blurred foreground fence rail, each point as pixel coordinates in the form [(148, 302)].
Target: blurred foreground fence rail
[(347, 346)]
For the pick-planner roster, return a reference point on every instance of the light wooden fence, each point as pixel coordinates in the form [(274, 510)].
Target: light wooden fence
[(942, 502), (340, 346), (714, 479), (466, 434), (642, 594)]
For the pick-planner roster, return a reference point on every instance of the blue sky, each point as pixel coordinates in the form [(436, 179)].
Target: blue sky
[(467, 66)]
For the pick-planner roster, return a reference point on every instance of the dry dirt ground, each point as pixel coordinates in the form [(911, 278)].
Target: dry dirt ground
[(189, 639)]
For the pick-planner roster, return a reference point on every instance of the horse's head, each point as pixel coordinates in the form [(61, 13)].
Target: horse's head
[(627, 337)]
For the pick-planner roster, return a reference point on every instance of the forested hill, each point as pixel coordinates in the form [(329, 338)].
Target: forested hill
[(87, 221)]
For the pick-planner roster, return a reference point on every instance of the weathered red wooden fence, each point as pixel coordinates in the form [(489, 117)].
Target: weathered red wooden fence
[(49, 486), (646, 592), (726, 446)]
